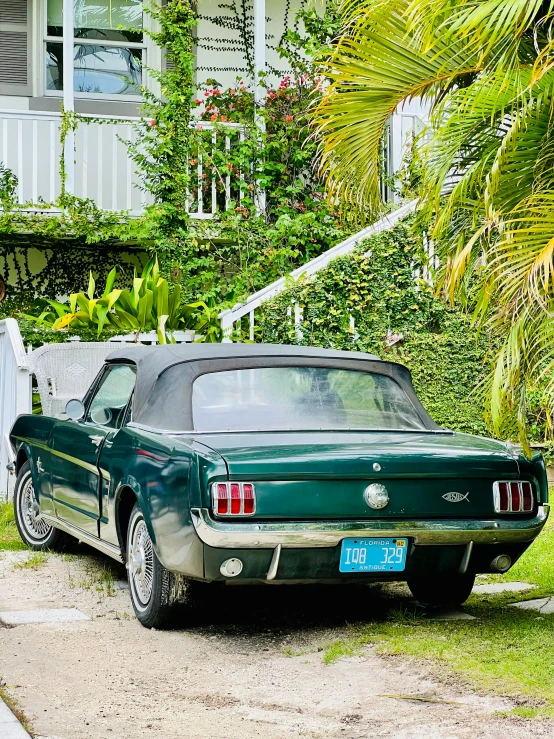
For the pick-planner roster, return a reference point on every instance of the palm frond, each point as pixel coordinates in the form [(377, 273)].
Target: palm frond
[(374, 68)]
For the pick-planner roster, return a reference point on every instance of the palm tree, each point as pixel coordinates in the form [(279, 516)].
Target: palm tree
[(487, 159)]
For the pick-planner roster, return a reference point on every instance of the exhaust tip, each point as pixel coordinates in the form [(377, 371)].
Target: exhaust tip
[(231, 567), (502, 563)]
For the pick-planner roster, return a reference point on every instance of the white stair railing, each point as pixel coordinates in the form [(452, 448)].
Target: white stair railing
[(229, 319), (15, 394)]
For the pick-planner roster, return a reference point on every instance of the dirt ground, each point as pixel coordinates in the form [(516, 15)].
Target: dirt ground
[(252, 669)]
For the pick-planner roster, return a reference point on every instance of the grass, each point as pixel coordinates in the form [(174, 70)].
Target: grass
[(93, 575), (35, 560), (9, 536), (506, 651)]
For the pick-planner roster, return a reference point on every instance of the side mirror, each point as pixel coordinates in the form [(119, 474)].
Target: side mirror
[(101, 416), (75, 409)]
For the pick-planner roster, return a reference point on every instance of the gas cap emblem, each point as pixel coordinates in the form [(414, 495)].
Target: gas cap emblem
[(376, 496)]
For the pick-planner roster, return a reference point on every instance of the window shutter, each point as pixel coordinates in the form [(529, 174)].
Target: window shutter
[(169, 63), (15, 77)]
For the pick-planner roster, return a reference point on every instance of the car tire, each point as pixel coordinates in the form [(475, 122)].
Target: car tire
[(156, 593), (442, 590), (33, 530)]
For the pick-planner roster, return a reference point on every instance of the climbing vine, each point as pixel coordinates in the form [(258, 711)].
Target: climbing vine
[(163, 138), (247, 243)]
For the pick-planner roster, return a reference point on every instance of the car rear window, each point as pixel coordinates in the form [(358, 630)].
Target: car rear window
[(300, 398)]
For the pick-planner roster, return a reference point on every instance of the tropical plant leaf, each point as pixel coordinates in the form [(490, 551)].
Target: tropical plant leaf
[(110, 281), (91, 286)]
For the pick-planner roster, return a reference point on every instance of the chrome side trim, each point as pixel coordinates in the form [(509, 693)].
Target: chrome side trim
[(75, 460), (307, 534), (56, 453), (274, 565), (93, 541)]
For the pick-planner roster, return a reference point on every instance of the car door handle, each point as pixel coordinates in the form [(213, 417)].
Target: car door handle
[(97, 440)]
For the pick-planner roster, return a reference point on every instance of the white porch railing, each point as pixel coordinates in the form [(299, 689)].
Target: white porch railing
[(30, 147), (230, 319), (103, 171), (404, 126)]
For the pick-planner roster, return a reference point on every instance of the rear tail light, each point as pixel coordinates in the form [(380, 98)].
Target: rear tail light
[(233, 498), (513, 497)]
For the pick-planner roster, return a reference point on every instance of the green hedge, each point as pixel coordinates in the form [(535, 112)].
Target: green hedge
[(375, 284), (447, 369)]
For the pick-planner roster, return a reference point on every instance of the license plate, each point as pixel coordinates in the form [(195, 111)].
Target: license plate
[(373, 555)]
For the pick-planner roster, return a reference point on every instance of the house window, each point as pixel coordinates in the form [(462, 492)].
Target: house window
[(108, 48)]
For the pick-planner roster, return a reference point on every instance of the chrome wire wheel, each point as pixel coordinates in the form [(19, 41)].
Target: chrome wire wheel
[(141, 563), (35, 526)]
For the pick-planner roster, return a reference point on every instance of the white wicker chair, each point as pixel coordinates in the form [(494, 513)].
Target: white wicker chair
[(65, 371)]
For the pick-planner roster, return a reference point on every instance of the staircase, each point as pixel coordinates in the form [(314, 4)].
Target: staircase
[(231, 319)]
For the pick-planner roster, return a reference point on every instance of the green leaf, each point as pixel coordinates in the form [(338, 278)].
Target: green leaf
[(91, 286), (110, 282)]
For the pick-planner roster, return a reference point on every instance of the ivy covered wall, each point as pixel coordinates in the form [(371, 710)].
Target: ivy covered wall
[(53, 271)]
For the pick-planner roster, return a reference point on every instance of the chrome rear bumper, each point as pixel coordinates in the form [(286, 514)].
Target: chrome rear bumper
[(308, 534)]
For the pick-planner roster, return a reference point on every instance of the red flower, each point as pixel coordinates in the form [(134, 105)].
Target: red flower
[(289, 118), (233, 92), (206, 94), (152, 123), (230, 167), (213, 117), (223, 119), (216, 92)]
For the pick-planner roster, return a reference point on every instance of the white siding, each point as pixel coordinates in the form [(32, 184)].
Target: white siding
[(220, 53)]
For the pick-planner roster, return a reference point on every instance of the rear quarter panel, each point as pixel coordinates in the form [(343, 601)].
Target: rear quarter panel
[(535, 468), (166, 476)]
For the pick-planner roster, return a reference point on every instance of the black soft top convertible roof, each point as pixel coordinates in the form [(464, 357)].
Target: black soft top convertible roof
[(165, 374)]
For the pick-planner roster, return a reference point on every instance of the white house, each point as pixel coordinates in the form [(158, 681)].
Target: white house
[(110, 53)]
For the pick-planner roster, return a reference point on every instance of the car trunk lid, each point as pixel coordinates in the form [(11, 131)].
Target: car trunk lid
[(324, 474)]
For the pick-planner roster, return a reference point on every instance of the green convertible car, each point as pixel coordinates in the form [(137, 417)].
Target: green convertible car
[(235, 463)]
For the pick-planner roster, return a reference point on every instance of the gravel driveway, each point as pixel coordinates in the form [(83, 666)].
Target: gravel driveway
[(253, 669)]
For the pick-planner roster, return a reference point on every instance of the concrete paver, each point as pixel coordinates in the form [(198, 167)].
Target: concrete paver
[(10, 728), (544, 605), (41, 616), (502, 587), (450, 614)]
